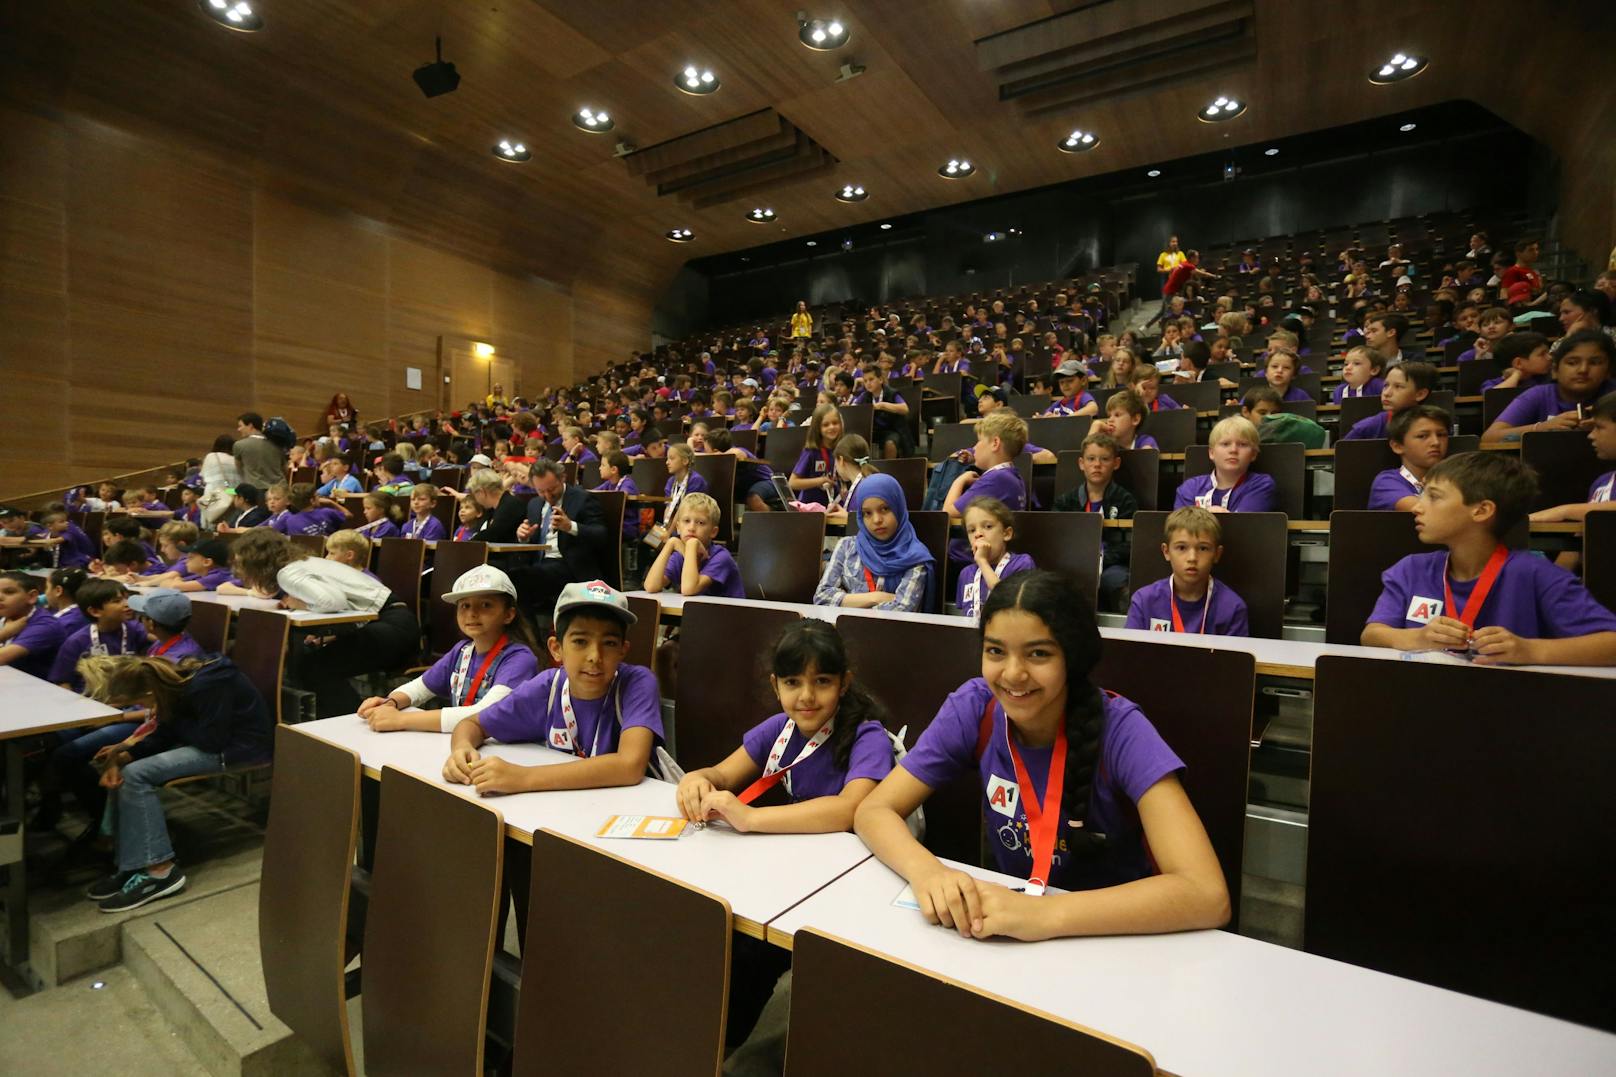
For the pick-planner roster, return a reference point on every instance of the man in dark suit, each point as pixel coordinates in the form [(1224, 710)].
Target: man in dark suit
[(568, 524)]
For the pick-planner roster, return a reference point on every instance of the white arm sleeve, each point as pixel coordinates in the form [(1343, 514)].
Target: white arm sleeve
[(450, 717), (415, 691), (320, 595)]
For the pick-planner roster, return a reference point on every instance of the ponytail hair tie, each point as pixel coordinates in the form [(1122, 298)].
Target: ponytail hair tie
[(863, 461)]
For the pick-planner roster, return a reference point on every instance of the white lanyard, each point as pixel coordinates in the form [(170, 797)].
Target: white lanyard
[(673, 499), (1408, 476), (99, 649), (1603, 493), (416, 526), (973, 589), (772, 765), (566, 739), (998, 467), (457, 680)]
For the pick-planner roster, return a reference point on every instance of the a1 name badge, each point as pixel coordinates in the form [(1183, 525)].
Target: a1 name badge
[(1422, 610), (1003, 795), (1160, 624)]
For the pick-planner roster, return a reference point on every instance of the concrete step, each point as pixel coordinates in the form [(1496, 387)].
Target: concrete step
[(105, 1023), (200, 964)]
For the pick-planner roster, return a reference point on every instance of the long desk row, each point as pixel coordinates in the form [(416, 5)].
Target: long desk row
[(1194, 999)]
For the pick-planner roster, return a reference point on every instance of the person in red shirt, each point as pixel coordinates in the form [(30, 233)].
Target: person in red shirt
[(1182, 274), (1526, 252)]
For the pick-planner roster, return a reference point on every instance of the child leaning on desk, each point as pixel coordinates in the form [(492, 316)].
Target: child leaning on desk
[(1078, 788), (1478, 597)]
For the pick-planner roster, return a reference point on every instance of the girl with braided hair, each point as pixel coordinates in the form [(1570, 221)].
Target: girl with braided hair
[(1079, 790)]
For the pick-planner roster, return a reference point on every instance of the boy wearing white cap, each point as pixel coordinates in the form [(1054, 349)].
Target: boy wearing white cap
[(496, 657), (596, 706)]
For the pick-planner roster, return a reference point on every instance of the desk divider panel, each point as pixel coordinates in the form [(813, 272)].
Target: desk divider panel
[(1363, 545), (1066, 542), (1565, 464), (845, 1019), (613, 504), (780, 558), (1459, 831), (1254, 546), (723, 685)]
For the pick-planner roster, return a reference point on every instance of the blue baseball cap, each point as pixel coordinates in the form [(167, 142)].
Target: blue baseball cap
[(165, 606)]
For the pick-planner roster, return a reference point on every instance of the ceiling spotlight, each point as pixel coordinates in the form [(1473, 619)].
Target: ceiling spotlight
[(1407, 127), (760, 216), (679, 235), (1224, 108), (1078, 142), (587, 119), (509, 150), (851, 193), (813, 243), (697, 81), (233, 14), (1271, 151), (1401, 66), (1153, 173), (956, 168), (821, 35), (886, 226)]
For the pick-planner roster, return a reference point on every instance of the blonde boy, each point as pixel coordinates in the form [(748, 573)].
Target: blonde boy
[(690, 560), (1189, 600)]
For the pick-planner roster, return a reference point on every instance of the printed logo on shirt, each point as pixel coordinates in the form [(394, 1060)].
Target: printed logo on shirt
[(1421, 609), (1003, 795), (1158, 624)]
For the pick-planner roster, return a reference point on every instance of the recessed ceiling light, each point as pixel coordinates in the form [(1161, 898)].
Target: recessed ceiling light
[(679, 235), (1401, 66), (696, 80), (956, 168), (1271, 151), (234, 14), (813, 243), (851, 192), (1153, 173), (508, 149), (1078, 142), (1407, 127), (1224, 108), (822, 35), (596, 123), (760, 215), (886, 226)]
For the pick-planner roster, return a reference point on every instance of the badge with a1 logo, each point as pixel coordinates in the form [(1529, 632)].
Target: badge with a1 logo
[(1422, 610), (1160, 624), (1003, 796), (560, 739)]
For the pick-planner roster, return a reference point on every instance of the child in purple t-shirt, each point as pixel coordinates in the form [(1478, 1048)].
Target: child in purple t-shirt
[(423, 523), (1406, 384), (1190, 599), (989, 527), (206, 566), (827, 748), (1360, 374), (1419, 435), (1281, 370), (595, 707), (1231, 485), (1478, 597), (1079, 791), (77, 549), (496, 657), (164, 614), (999, 440), (30, 635), (110, 631), (690, 561)]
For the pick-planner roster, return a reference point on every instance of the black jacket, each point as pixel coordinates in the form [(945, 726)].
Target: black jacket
[(252, 517), (501, 524), (220, 711), (1117, 504), (588, 552)]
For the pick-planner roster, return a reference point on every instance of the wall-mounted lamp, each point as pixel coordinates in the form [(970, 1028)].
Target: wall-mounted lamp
[(481, 350)]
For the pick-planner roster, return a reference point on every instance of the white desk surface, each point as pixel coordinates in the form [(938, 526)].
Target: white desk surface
[(1277, 657), (29, 705), (760, 875), (1190, 999)]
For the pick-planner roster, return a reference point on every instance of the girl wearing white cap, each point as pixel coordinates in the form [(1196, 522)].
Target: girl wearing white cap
[(496, 656)]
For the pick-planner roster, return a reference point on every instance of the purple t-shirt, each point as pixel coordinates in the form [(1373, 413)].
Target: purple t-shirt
[(41, 637), (1603, 488), (515, 665), (720, 567), (1295, 394), (316, 521), (968, 595), (211, 579), (1002, 481), (1152, 609), (1543, 402), (813, 464), (1532, 597), (1163, 402), (385, 529), (529, 713), (129, 638), (1256, 494), (1369, 429), (77, 549), (819, 776), (430, 531), (71, 619), (182, 648), (1068, 406), (1133, 757), (1371, 388), (1389, 488)]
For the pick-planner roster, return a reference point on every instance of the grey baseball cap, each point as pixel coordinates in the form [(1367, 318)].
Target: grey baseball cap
[(164, 605), (596, 594)]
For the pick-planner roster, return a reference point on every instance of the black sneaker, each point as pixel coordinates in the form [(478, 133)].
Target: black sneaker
[(142, 888), (107, 886)]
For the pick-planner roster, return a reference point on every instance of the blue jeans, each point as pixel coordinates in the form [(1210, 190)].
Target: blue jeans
[(142, 830), (70, 768)]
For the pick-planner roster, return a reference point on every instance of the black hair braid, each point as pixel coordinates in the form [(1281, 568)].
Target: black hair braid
[(1085, 728), (857, 707)]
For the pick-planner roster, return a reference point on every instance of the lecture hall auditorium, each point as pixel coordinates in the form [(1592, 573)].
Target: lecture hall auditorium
[(756, 538)]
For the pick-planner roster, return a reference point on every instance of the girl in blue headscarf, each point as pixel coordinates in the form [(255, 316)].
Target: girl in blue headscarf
[(882, 566)]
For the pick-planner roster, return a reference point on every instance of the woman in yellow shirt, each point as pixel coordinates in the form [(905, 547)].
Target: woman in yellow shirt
[(802, 323), (1169, 259)]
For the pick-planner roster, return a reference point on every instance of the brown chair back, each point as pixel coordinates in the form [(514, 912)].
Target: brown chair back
[(425, 998), (91, 524), (446, 510), (683, 1034), (858, 419), (1196, 396), (452, 477), (1173, 430), (931, 528), (780, 555), (260, 652), (723, 689), (449, 561), (745, 439), (719, 471), (1484, 868), (963, 1031), (1254, 544), (613, 504), (399, 562), (1209, 728), (883, 653), (1565, 464), (1060, 434), (948, 439), (1357, 463), (642, 637), (1355, 409), (210, 625), (1494, 401), (1599, 557), (784, 444), (1363, 545), (1139, 474), (650, 476), (1068, 542), (1285, 462), (303, 890), (313, 544), (910, 471)]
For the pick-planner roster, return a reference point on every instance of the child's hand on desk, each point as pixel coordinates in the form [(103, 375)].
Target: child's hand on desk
[(1445, 634), (371, 704), (291, 602), (950, 898), (693, 789), (385, 718), (1006, 912), (491, 774), (1496, 645), (723, 804), (457, 768)]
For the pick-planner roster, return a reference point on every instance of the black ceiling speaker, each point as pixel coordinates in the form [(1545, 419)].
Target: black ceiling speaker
[(438, 78)]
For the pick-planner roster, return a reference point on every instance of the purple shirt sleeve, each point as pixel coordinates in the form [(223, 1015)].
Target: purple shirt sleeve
[(524, 714), (210, 581), (947, 748), (437, 678), (871, 756), (64, 669), (1389, 488)]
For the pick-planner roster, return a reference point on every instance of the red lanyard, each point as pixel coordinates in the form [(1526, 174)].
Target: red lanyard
[(1043, 819), (1172, 601), (869, 578), (1484, 585), (1155, 404), (162, 648), (477, 678), (773, 772)]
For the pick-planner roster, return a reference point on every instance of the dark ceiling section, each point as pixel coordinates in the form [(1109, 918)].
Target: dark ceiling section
[(759, 151), (1117, 48)]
